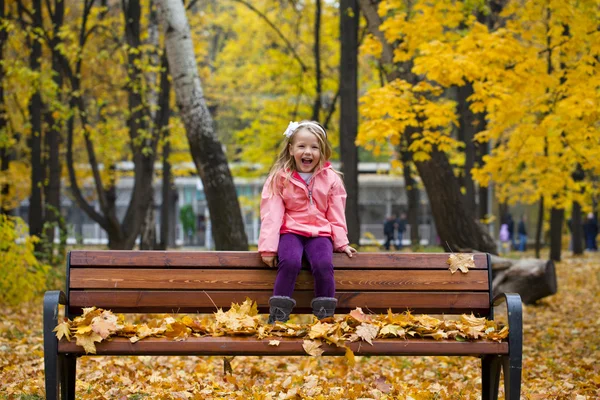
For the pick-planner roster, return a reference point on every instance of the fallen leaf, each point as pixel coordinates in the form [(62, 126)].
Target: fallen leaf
[(461, 261), (367, 332), (63, 329), (312, 347)]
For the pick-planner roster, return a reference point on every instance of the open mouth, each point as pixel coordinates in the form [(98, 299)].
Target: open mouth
[(306, 161)]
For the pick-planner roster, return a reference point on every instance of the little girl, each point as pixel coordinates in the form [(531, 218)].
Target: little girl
[(302, 214)]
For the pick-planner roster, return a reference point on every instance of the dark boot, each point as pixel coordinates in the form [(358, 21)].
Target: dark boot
[(323, 307), (280, 308)]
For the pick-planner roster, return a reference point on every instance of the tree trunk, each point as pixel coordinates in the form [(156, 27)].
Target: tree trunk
[(35, 142), (466, 131), (227, 224), (167, 202), (148, 229), (455, 223), (5, 151), (317, 51), (456, 226), (482, 206), (52, 138), (349, 112), (167, 189), (412, 195), (557, 216), (531, 278), (143, 153), (576, 230), (540, 225)]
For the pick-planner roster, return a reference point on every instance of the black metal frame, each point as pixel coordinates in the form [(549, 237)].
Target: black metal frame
[(60, 369), (511, 363)]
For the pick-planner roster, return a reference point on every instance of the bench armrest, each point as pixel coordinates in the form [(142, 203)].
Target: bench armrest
[(52, 299), (514, 309)]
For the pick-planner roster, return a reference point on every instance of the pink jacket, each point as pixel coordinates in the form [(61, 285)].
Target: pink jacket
[(312, 210)]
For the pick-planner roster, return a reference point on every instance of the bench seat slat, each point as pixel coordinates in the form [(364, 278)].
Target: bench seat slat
[(211, 279), (204, 302), (237, 259), (251, 346)]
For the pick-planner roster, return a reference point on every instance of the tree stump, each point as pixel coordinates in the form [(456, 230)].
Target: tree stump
[(531, 278)]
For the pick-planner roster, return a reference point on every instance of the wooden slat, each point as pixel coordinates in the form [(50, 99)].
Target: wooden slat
[(207, 346), (206, 279), (205, 302), (245, 259)]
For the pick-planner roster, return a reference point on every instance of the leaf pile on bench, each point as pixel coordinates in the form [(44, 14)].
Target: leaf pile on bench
[(96, 324)]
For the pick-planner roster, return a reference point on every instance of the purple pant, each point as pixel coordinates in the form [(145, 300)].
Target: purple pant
[(319, 253)]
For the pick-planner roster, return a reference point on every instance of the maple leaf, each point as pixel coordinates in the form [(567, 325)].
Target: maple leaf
[(177, 331), (105, 324), (367, 332), (382, 385), (437, 335), (350, 357), (392, 330), (461, 261), (312, 347), (63, 329), (359, 315), (83, 329), (472, 320), (427, 322), (87, 342), (319, 330)]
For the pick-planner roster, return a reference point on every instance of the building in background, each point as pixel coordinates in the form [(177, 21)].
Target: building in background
[(380, 195)]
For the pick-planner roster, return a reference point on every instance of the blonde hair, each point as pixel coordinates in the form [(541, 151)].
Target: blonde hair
[(285, 162)]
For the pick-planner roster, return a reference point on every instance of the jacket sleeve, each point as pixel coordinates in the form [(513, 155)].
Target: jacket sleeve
[(336, 215), (272, 210)]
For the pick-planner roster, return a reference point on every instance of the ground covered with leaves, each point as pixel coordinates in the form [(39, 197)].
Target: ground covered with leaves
[(561, 361)]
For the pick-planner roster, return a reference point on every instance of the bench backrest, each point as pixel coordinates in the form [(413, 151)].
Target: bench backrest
[(198, 282)]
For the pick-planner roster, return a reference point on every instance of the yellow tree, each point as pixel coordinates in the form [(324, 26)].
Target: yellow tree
[(411, 110), (537, 80)]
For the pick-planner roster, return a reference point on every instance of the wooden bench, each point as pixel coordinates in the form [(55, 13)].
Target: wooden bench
[(189, 282)]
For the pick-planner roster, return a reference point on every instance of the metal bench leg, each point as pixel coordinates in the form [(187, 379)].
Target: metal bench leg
[(512, 377), (68, 377), (53, 363), (490, 376)]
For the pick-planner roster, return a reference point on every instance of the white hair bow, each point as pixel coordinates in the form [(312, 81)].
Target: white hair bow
[(291, 128)]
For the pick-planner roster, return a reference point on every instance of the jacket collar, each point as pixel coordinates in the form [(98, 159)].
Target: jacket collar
[(327, 165)]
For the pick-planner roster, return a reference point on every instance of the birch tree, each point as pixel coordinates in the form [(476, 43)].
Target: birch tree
[(207, 152)]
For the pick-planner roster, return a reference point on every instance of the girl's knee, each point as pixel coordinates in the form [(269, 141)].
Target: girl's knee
[(320, 267), (291, 265)]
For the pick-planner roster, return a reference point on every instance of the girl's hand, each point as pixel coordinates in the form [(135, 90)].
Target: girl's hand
[(270, 261), (349, 250)]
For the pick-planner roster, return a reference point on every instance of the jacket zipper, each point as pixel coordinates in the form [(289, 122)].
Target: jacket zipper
[(310, 197)]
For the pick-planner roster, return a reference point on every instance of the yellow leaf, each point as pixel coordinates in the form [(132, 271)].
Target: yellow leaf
[(63, 329), (359, 315), (367, 332), (312, 347), (319, 330), (105, 324), (87, 342), (392, 330), (460, 261), (350, 357)]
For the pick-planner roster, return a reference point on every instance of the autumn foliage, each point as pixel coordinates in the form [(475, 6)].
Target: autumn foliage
[(95, 325), (559, 361)]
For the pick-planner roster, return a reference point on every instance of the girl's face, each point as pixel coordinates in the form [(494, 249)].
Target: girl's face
[(305, 150)]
